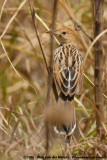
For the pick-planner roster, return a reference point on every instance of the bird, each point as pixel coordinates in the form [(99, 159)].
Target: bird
[(67, 74)]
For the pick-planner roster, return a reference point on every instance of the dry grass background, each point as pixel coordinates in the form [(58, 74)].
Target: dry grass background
[(23, 80)]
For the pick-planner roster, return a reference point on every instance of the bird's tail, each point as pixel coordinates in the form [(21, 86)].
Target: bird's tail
[(68, 124)]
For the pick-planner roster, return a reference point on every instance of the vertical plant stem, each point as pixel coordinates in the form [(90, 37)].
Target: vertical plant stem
[(50, 76), (98, 19)]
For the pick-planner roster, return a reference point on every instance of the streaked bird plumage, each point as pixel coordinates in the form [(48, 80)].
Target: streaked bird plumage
[(67, 69), (67, 73)]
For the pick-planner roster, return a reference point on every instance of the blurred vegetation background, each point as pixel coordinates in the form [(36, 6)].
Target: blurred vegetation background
[(23, 79)]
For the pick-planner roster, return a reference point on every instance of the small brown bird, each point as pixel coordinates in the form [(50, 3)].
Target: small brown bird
[(68, 74)]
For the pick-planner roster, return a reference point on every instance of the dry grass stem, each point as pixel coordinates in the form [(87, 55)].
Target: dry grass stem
[(2, 9)]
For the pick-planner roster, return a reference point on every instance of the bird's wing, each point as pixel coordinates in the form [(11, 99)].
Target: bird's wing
[(67, 69)]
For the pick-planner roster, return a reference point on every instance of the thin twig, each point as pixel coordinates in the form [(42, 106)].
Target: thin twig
[(92, 44), (2, 9), (92, 83), (79, 102)]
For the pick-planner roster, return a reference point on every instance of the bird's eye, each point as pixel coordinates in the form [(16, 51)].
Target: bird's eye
[(63, 33)]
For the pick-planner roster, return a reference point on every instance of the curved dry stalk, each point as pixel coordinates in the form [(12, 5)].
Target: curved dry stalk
[(40, 19), (92, 44), (79, 102), (92, 83), (2, 9), (15, 68)]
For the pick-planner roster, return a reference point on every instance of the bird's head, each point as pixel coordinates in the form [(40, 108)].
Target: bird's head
[(65, 35)]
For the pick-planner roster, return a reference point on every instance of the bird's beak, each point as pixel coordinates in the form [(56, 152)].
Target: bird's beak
[(51, 32)]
